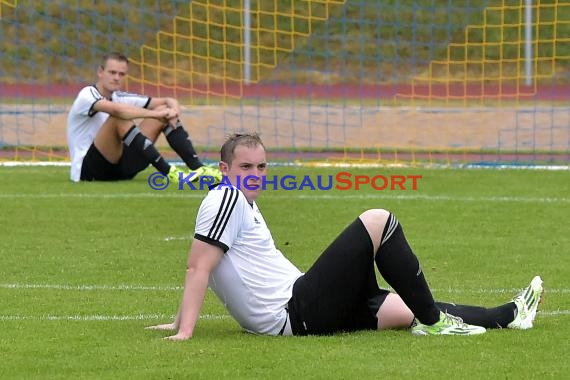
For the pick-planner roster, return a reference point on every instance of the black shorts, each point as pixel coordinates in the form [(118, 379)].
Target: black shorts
[(339, 293), (95, 167)]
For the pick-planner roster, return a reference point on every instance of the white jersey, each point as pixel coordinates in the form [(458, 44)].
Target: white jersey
[(253, 279), (83, 122)]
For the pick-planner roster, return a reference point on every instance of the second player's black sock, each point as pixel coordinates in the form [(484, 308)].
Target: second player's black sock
[(401, 270), (134, 138), (179, 140), (492, 318)]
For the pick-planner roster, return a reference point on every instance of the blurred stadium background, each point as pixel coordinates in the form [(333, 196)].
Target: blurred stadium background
[(338, 80)]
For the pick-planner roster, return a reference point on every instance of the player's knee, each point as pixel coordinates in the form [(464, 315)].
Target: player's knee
[(119, 123), (374, 215), (374, 221)]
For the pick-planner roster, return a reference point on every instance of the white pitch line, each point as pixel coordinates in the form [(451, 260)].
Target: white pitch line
[(156, 194), (102, 317), (553, 313), (148, 317), (34, 164), (175, 238), (372, 165), (122, 287), (84, 318), (305, 195), (167, 288), (498, 291)]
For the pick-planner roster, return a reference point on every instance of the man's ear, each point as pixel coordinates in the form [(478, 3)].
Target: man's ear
[(224, 167)]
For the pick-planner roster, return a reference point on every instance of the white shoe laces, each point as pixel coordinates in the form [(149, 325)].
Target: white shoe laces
[(455, 320)]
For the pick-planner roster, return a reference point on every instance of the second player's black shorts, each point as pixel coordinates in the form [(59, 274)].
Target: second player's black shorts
[(95, 167)]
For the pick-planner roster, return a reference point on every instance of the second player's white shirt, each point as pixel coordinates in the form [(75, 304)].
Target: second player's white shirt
[(254, 280), (83, 122)]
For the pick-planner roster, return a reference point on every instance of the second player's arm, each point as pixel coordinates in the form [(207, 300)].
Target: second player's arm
[(168, 102), (129, 112)]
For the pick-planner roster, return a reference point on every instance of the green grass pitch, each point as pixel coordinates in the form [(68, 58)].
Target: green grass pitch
[(85, 267)]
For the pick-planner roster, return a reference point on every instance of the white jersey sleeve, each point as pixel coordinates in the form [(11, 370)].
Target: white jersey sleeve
[(218, 220), (136, 100)]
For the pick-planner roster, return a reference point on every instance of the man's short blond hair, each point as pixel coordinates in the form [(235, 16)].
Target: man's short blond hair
[(250, 140)]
